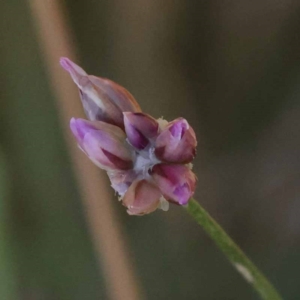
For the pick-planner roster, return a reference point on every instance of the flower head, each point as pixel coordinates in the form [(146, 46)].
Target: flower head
[(147, 160)]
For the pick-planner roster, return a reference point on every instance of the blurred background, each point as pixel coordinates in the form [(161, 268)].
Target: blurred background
[(232, 68)]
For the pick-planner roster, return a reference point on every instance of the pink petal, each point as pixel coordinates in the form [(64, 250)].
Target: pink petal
[(176, 143), (142, 198), (140, 129), (176, 182)]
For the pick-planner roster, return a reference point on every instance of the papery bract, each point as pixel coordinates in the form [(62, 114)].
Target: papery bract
[(142, 198), (140, 129), (102, 99), (176, 182), (176, 143), (105, 144), (121, 180)]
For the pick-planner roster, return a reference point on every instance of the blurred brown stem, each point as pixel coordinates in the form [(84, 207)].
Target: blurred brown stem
[(55, 41)]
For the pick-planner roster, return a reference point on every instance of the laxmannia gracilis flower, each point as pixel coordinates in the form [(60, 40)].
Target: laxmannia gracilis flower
[(147, 160)]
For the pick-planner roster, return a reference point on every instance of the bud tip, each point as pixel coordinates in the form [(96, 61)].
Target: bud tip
[(65, 63)]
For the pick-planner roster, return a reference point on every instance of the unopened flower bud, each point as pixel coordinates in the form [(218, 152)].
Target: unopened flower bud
[(147, 160), (176, 143), (102, 99), (142, 198), (140, 129), (176, 182), (105, 144)]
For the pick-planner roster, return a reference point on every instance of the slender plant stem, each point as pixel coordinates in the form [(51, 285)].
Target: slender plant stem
[(232, 251)]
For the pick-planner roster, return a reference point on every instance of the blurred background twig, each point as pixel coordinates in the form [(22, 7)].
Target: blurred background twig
[(55, 40), (8, 275)]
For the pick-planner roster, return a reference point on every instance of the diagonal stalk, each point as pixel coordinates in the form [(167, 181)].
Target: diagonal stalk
[(232, 251)]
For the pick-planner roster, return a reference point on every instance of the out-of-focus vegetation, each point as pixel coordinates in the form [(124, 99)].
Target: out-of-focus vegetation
[(232, 69), (7, 277)]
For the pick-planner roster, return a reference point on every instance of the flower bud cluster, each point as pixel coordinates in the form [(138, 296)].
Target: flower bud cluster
[(147, 160)]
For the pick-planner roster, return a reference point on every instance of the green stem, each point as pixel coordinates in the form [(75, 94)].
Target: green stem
[(232, 251)]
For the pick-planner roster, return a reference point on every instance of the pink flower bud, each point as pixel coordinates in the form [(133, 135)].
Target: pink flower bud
[(145, 159), (142, 198), (176, 182), (105, 144), (102, 99), (176, 143), (140, 129)]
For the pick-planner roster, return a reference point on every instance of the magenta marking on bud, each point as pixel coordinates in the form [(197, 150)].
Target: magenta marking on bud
[(176, 143), (105, 144), (181, 192), (176, 182), (178, 129), (119, 163), (107, 151), (140, 129), (135, 137)]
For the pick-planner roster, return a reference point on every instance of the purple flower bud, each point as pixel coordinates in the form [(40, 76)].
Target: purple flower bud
[(142, 198), (176, 182), (140, 129), (145, 159), (102, 99), (104, 144), (176, 143)]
